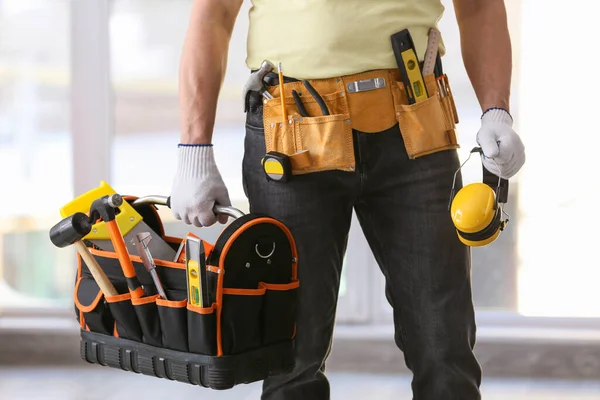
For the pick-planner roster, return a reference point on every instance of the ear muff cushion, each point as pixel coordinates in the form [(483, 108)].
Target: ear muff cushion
[(486, 233)]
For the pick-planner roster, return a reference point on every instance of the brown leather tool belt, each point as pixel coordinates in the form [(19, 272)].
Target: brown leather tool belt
[(317, 134)]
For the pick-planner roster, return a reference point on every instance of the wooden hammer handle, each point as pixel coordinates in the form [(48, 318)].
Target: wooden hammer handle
[(99, 276)]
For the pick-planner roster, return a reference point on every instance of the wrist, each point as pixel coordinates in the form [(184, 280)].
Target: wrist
[(194, 161), (195, 140), (497, 114)]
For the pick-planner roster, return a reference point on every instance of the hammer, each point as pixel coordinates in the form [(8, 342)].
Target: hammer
[(255, 82), (105, 207), (70, 231)]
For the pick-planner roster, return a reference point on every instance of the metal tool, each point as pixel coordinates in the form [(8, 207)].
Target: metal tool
[(195, 261), (432, 52), (317, 97), (180, 258), (130, 223), (70, 231), (105, 208), (256, 82), (299, 104), (408, 63), (366, 85), (166, 201), (141, 242)]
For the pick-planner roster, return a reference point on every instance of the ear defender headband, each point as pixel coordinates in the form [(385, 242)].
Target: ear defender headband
[(476, 209)]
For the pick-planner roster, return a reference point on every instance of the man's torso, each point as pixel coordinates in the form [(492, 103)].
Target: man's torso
[(327, 38)]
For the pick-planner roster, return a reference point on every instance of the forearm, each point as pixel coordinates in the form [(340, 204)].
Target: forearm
[(202, 67), (486, 50)]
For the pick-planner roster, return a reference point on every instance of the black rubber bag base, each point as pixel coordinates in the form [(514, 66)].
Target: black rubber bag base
[(217, 373)]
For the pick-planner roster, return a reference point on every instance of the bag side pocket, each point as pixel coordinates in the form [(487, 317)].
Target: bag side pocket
[(202, 329), (89, 301), (173, 324), (279, 312), (424, 126), (126, 321), (147, 314), (240, 319)]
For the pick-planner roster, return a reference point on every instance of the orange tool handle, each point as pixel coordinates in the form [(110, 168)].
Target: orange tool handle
[(134, 285)]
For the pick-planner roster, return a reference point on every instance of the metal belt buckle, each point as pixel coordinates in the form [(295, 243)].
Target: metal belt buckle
[(366, 85)]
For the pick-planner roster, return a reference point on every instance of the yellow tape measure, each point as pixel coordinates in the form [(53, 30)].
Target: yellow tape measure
[(277, 167)]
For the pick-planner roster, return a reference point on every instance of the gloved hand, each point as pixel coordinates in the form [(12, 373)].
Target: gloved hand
[(197, 186), (500, 142)]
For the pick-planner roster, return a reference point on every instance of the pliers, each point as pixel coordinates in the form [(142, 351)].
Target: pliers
[(315, 95)]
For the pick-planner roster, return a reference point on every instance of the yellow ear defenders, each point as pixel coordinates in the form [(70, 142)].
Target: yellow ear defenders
[(476, 209)]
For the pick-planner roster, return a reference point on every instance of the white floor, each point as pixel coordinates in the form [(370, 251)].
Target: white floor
[(100, 383)]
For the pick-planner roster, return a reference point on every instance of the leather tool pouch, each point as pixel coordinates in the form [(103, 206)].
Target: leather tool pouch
[(245, 335), (428, 126), (326, 139)]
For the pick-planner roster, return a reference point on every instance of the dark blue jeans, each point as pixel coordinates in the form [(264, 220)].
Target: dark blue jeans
[(401, 205)]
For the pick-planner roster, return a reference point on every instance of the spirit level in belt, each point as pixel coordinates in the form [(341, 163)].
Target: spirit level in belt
[(408, 63)]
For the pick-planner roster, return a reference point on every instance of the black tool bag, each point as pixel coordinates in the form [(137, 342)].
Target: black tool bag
[(246, 335)]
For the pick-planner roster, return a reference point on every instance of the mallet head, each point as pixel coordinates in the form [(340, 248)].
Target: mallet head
[(70, 230)]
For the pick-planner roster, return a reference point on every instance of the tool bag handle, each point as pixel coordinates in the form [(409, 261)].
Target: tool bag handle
[(166, 201)]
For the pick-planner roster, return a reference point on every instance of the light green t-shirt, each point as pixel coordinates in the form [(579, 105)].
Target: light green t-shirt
[(327, 38)]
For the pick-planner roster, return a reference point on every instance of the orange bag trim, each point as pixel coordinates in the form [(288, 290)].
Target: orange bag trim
[(282, 287), (118, 298), (115, 332), (200, 310), (94, 303), (245, 292), (172, 239), (236, 234), (144, 300), (81, 318), (171, 303)]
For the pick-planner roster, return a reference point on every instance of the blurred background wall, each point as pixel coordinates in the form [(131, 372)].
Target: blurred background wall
[(88, 91)]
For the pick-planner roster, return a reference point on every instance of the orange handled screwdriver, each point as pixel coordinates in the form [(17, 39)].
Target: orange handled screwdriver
[(105, 208)]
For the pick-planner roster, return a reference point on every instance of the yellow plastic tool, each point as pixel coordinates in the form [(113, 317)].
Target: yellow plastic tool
[(127, 218), (408, 64)]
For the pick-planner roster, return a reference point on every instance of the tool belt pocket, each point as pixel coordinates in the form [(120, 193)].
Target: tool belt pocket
[(245, 335), (315, 143), (427, 126)]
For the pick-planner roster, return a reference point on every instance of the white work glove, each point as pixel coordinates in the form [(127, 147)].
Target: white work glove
[(500, 143), (197, 186)]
